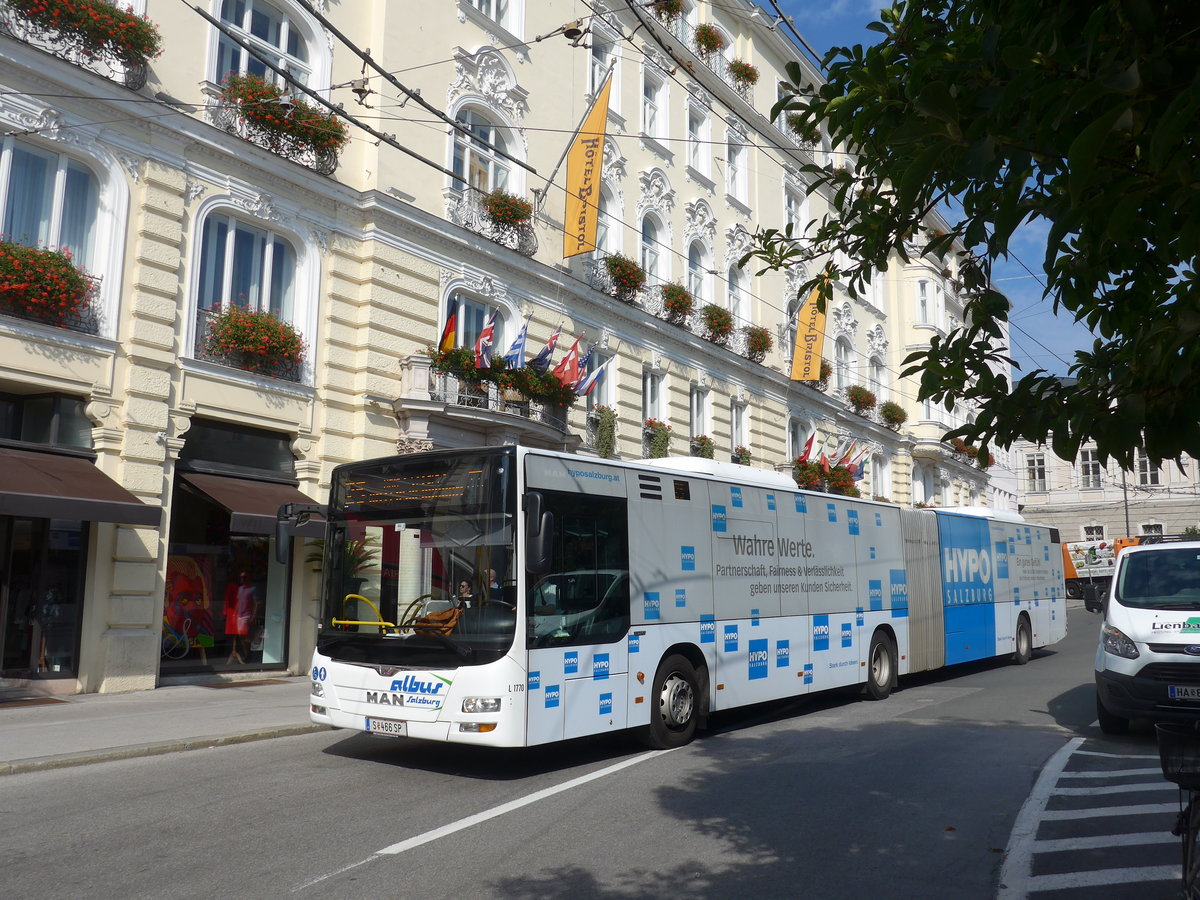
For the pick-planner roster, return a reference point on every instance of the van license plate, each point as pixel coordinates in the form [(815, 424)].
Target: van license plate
[(1183, 692), (387, 726)]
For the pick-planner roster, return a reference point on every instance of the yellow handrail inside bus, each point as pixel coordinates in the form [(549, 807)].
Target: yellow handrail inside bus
[(379, 616)]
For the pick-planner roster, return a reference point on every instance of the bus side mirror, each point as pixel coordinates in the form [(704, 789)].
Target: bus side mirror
[(539, 534)]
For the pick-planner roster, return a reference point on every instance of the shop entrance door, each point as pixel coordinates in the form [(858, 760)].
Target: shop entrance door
[(41, 597)]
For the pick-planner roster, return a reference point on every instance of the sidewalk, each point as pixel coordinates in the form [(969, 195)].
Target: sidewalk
[(85, 728)]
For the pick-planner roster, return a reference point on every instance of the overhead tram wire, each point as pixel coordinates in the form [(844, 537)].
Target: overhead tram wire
[(366, 57), (337, 110)]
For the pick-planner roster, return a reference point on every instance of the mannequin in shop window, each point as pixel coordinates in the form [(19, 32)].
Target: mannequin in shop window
[(241, 607)]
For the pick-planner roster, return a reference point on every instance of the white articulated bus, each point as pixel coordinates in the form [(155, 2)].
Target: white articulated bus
[(510, 596)]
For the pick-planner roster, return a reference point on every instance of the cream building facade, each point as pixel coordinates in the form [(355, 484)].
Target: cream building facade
[(142, 465)]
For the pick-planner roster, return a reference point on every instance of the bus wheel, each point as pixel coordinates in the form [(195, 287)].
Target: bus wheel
[(675, 702), (1024, 641), (881, 667)]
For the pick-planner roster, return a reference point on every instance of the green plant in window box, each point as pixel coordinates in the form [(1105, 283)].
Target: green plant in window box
[(860, 399), (743, 72), (658, 437), (43, 285), (97, 25), (708, 39), (268, 107), (507, 210), (625, 275), (893, 414), (678, 303), (254, 340), (703, 446), (667, 9), (718, 323), (758, 342), (606, 430), (742, 455)]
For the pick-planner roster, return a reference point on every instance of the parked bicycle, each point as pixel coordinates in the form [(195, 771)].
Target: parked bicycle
[(1179, 754)]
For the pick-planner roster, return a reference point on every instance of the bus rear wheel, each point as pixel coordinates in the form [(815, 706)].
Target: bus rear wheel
[(881, 667), (1024, 641), (675, 709)]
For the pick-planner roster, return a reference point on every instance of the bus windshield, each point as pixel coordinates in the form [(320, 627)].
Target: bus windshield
[(419, 561)]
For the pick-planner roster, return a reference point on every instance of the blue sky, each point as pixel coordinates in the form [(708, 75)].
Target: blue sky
[(1039, 338)]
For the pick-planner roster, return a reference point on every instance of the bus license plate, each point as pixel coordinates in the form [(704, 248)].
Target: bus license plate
[(387, 726), (1183, 692)]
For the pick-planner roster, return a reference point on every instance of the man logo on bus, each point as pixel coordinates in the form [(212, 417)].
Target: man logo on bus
[(687, 558), (759, 658), (552, 694), (600, 667)]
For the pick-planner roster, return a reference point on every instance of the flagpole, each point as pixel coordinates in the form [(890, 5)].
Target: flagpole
[(541, 195)]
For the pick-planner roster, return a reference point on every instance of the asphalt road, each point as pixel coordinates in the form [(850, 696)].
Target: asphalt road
[(831, 797)]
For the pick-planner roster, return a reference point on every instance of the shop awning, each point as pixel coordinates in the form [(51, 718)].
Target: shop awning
[(252, 505), (53, 486)]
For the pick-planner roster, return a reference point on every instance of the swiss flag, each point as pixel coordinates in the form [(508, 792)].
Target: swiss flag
[(567, 371)]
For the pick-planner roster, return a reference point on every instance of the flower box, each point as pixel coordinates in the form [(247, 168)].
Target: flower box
[(741, 455), (892, 414), (743, 72), (284, 125), (657, 435), (718, 323), (254, 340), (667, 9), (758, 342), (626, 277), (708, 39), (96, 27), (678, 303), (507, 210), (44, 286), (702, 446), (860, 399)]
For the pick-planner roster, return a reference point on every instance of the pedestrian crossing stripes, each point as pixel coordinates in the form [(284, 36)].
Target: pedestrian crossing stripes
[(1096, 824)]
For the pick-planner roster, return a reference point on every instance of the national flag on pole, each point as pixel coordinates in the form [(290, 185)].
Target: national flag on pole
[(515, 357), (585, 158), (567, 371), (845, 457), (541, 362), (448, 334), (861, 471), (808, 445), (483, 346), (588, 384), (810, 338)]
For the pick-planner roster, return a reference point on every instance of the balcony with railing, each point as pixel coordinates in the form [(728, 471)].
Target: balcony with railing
[(92, 34), (718, 61), (469, 209)]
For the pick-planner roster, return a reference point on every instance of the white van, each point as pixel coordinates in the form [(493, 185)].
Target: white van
[(1148, 659)]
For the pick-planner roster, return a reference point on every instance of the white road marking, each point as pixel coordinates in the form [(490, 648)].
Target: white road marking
[(1063, 815), (1102, 790), (1097, 841), (1098, 877), (494, 812)]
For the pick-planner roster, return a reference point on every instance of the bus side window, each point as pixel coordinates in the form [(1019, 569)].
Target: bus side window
[(584, 597)]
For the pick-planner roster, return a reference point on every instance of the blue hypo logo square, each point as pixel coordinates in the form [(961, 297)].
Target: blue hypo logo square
[(606, 704), (754, 618), (808, 673), (852, 521), (680, 598), (635, 643), (708, 630), (820, 632), (651, 606), (859, 618), (535, 680), (831, 510), (552, 694), (735, 497), (847, 634), (718, 517), (687, 559), (571, 662), (801, 504), (770, 501), (875, 593), (783, 654), (898, 583), (600, 667), (1016, 595), (760, 659), (871, 552), (878, 520), (1001, 561), (731, 638)]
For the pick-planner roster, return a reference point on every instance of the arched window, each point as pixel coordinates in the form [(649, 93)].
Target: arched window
[(793, 321), (245, 265), (739, 299), (878, 379), (651, 251), (271, 31), (48, 199), (608, 226), (697, 273), (471, 315), (474, 160), (841, 364)]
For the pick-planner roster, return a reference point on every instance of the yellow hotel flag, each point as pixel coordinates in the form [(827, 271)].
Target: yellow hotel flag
[(810, 337), (584, 161)]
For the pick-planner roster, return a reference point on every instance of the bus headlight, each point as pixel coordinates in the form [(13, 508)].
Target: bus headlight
[(481, 704), (318, 689), (1114, 641)]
